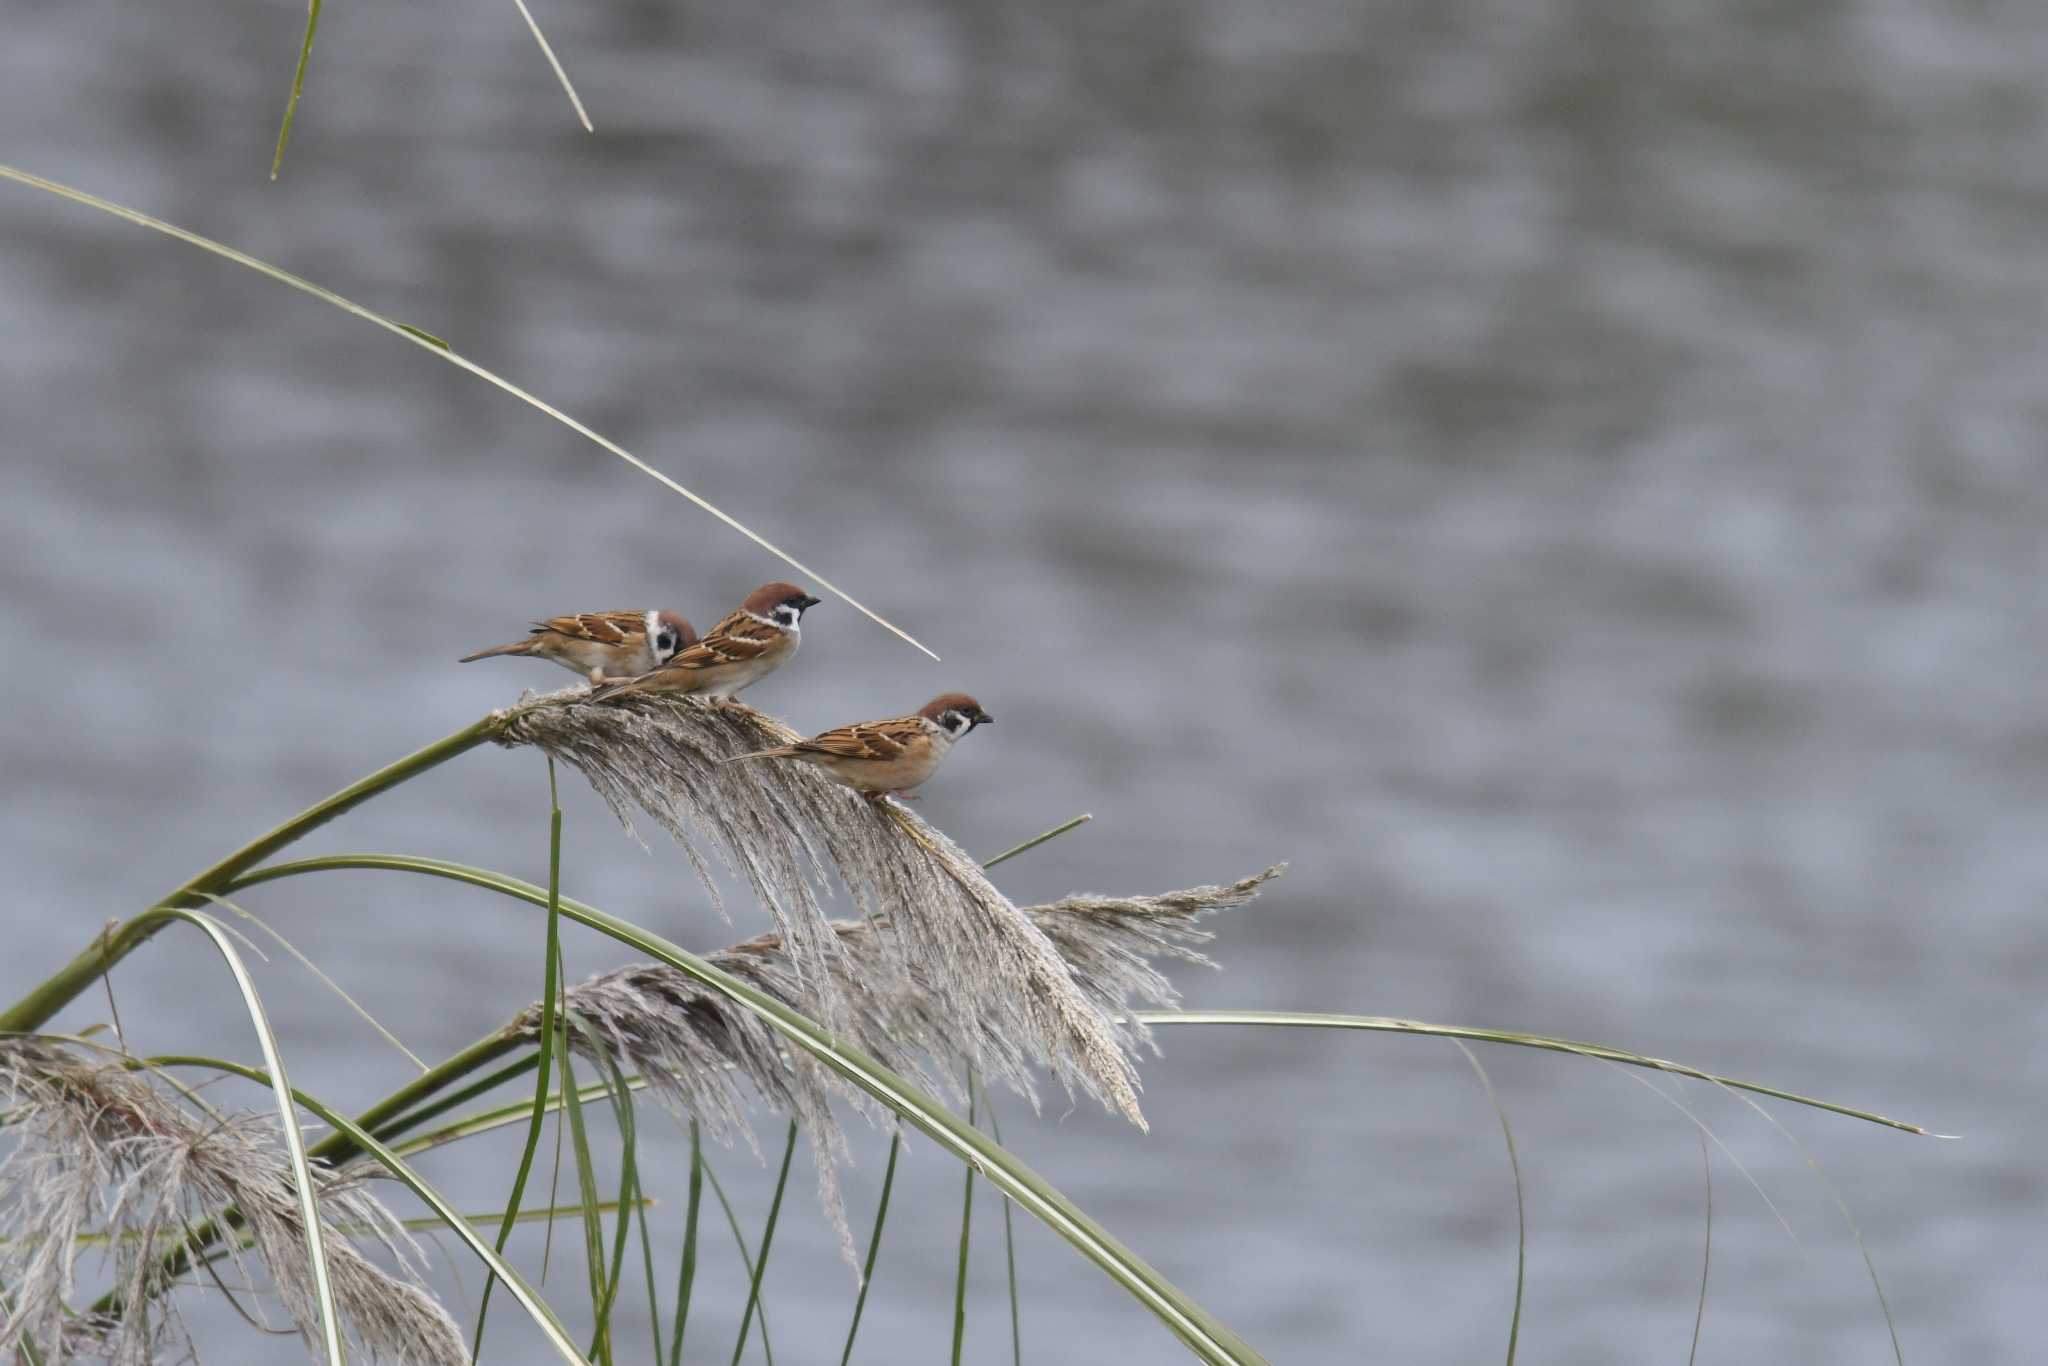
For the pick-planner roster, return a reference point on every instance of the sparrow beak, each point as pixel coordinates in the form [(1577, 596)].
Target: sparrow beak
[(983, 720), (805, 604)]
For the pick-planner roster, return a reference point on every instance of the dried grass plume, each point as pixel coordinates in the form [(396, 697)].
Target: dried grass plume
[(97, 1148)]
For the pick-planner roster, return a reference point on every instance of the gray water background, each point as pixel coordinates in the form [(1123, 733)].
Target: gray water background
[(1567, 477)]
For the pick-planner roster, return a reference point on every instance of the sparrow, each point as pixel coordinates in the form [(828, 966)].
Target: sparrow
[(886, 758), (741, 650), (601, 645)]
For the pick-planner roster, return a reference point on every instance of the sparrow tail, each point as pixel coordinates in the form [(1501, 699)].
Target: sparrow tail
[(780, 752), (517, 647)]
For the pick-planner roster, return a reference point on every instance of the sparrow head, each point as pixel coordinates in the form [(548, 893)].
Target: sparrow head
[(955, 713), (781, 603), (668, 634)]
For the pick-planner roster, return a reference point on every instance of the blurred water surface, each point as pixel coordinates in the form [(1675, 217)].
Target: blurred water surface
[(1568, 477)]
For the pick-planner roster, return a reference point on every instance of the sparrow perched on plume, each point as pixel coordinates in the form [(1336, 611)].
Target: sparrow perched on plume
[(602, 645), (743, 649), (885, 758)]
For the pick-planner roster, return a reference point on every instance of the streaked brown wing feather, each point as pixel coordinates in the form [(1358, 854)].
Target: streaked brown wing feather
[(735, 640), (599, 628), (866, 740)]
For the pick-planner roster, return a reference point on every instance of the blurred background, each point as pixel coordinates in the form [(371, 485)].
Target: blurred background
[(1567, 477)]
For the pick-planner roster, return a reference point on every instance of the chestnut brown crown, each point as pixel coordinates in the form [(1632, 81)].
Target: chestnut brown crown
[(955, 711), (763, 601)]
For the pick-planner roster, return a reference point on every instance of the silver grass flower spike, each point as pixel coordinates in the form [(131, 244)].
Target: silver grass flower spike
[(693, 1048), (986, 971), (95, 1147)]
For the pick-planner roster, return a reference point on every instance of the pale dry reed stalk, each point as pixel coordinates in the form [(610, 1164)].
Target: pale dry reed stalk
[(988, 976), (97, 1148), (694, 1048)]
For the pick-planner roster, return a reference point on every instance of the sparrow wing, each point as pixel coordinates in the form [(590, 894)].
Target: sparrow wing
[(877, 740), (599, 628), (736, 640)]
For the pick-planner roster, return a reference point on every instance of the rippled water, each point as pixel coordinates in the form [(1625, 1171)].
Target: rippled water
[(1570, 481)]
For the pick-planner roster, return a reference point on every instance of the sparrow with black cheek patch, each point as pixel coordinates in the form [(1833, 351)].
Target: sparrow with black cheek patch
[(602, 645), (746, 647), (886, 758)]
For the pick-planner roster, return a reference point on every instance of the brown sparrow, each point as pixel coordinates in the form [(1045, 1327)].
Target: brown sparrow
[(741, 650), (885, 758), (601, 645)]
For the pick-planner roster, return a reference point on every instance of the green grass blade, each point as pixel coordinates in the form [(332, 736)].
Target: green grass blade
[(412, 1119), (1009, 1244), (1521, 1211), (363, 1141), (485, 1121), (1207, 1337), (1296, 1019), (593, 1226), (295, 1142), (686, 1278), (434, 347), (1036, 840), (607, 1274), (575, 101), (966, 1228), (732, 1221), (544, 1057), (867, 1275), (767, 1240), (291, 106)]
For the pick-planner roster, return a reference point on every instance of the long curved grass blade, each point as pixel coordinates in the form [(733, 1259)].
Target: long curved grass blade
[(288, 1117), (1009, 1243), (867, 1273), (1206, 1336), (767, 1241), (1303, 1019), (314, 968), (739, 1237), (686, 1276), (539, 1107), (1706, 1253), (291, 106), (966, 1228), (367, 1143), (575, 101), (435, 347), (1521, 1212)]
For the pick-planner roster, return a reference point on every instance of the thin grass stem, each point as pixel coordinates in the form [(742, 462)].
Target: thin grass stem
[(767, 1240), (1036, 840), (995, 1130), (1292, 1019), (686, 1277), (867, 1274), (966, 1227), (732, 1221), (1699, 1316), (291, 105), (1521, 1211), (542, 1058), (575, 100)]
